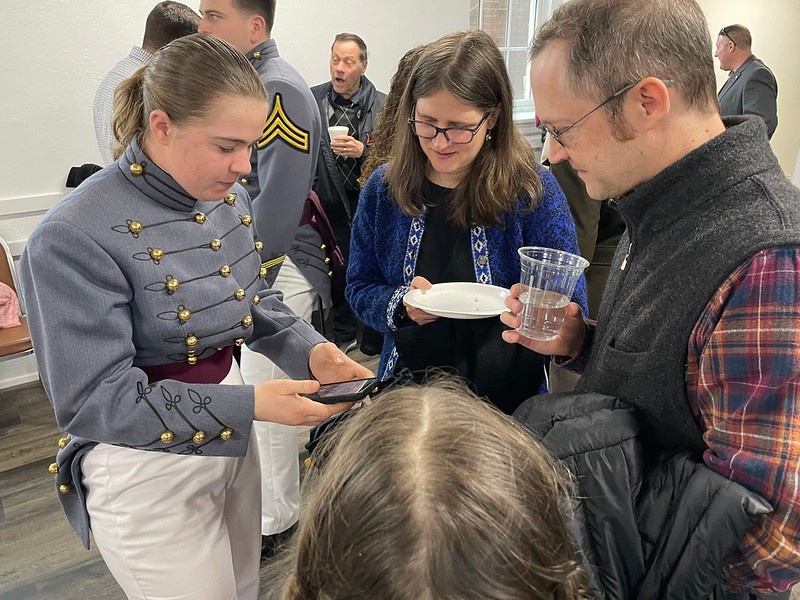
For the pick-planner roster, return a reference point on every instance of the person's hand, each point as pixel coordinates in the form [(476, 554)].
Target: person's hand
[(279, 401), (419, 316), (328, 364), (570, 337), (345, 145)]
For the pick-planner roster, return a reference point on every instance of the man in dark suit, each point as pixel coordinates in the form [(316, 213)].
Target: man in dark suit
[(751, 88)]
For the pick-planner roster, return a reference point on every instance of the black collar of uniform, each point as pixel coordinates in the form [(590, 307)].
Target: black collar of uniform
[(263, 51), (150, 179)]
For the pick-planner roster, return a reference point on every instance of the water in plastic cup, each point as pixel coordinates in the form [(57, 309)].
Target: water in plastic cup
[(336, 131), (548, 279)]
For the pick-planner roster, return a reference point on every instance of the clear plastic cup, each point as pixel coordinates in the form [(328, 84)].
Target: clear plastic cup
[(548, 279)]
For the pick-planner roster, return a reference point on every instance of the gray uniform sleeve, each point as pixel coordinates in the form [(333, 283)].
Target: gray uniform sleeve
[(78, 308), (286, 161)]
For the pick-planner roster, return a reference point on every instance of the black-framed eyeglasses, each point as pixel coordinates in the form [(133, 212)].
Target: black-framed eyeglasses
[(557, 133), (724, 32), (454, 135)]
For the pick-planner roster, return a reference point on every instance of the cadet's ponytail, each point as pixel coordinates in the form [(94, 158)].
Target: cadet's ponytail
[(128, 120), (183, 79)]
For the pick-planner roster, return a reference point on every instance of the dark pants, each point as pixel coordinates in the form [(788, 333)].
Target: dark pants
[(747, 596)]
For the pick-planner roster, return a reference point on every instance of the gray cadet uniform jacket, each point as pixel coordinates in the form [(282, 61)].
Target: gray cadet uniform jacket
[(129, 271), (285, 159), (751, 90)]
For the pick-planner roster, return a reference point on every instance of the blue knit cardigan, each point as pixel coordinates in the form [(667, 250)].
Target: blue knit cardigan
[(385, 243)]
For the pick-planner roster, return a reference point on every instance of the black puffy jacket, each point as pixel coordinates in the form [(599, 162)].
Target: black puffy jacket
[(650, 529)]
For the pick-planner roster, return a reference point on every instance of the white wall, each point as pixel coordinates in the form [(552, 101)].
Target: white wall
[(776, 41), (55, 54)]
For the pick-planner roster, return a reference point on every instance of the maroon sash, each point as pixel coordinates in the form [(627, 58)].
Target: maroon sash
[(206, 370)]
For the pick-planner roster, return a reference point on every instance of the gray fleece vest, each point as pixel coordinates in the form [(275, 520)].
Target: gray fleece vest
[(688, 229)]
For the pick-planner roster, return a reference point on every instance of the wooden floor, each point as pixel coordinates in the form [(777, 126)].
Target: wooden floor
[(41, 558)]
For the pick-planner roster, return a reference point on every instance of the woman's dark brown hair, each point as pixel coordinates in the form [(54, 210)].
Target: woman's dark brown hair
[(468, 65)]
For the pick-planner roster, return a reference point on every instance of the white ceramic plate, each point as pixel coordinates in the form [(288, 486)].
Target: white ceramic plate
[(460, 300)]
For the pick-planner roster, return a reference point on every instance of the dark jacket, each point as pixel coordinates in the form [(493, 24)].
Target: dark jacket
[(751, 90), (328, 183), (652, 529)]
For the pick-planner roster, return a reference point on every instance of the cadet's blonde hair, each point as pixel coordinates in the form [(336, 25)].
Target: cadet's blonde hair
[(183, 79), (432, 493)]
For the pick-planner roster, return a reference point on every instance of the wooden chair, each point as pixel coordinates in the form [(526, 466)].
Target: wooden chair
[(14, 341)]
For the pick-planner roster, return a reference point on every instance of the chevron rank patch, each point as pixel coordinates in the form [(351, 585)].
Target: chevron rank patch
[(280, 127)]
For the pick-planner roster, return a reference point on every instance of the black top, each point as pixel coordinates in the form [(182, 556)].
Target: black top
[(506, 374)]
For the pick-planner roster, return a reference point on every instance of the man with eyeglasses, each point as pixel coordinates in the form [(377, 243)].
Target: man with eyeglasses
[(699, 325), (751, 88)]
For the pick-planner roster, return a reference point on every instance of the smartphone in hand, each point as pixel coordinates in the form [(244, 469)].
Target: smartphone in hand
[(343, 391)]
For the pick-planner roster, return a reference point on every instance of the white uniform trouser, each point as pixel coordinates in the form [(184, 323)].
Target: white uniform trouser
[(173, 527), (277, 444)]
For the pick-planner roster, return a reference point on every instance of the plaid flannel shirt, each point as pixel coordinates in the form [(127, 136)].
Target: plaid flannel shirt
[(743, 378)]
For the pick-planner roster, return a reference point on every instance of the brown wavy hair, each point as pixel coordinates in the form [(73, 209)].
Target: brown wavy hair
[(430, 492), (380, 151), (469, 65)]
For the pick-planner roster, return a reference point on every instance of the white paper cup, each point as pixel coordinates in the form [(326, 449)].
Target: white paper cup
[(548, 278), (336, 131)]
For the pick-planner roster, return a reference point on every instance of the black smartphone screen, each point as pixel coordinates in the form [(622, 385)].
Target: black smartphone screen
[(343, 391)]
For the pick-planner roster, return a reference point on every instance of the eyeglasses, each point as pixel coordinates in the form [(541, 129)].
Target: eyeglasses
[(454, 135), (724, 32), (557, 133)]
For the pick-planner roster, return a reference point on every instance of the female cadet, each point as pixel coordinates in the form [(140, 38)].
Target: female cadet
[(459, 196), (138, 285)]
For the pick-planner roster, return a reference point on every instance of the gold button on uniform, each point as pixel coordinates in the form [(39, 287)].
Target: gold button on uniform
[(240, 294), (224, 270), (327, 260), (259, 246), (239, 341), (230, 199), (135, 227), (226, 434), (200, 218), (62, 442), (199, 437), (262, 272), (256, 300), (53, 469), (246, 220), (322, 247), (63, 489), (191, 341), (167, 436), (136, 169), (257, 55), (244, 180), (156, 254), (184, 315), (173, 285), (215, 245), (330, 273), (247, 321)]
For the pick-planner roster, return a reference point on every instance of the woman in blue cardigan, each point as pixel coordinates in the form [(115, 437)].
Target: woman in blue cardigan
[(460, 195)]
